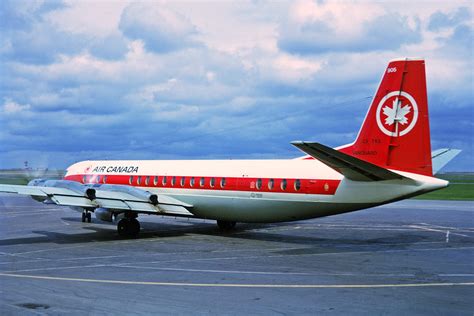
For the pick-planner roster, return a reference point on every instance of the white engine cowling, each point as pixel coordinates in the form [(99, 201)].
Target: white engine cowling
[(104, 214), (139, 193), (84, 190)]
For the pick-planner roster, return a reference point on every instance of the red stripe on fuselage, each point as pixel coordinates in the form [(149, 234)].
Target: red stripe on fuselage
[(307, 186)]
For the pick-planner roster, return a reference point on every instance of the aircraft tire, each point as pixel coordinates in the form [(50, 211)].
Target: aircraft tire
[(128, 227), (89, 217), (83, 217)]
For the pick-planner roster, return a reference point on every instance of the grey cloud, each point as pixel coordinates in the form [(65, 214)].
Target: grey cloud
[(161, 29), (387, 32), (112, 47), (440, 20), (200, 103)]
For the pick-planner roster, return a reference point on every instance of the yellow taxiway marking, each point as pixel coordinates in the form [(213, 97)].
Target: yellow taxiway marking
[(237, 285)]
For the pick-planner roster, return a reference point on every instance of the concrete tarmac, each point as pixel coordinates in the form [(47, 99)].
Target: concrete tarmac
[(410, 257)]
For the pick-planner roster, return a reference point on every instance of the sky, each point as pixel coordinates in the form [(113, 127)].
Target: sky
[(219, 79)]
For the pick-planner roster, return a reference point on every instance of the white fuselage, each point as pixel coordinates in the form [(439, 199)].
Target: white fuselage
[(253, 190)]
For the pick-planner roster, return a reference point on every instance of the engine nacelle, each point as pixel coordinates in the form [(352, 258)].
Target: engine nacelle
[(104, 214), (141, 194), (37, 182), (84, 190)]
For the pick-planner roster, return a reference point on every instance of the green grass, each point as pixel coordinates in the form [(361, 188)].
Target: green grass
[(462, 192), (461, 187), (14, 181), (457, 177)]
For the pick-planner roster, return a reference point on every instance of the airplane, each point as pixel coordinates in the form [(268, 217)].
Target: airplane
[(390, 160), (442, 156)]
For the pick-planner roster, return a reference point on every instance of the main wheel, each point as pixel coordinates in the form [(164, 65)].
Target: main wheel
[(226, 225), (89, 217), (128, 227), (83, 217), (134, 227)]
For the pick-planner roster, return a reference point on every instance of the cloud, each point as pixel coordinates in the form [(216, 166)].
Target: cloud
[(196, 80), (315, 28), (22, 14), (440, 20), (161, 29), (11, 107)]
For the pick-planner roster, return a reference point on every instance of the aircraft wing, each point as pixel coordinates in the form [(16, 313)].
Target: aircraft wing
[(166, 205), (351, 167)]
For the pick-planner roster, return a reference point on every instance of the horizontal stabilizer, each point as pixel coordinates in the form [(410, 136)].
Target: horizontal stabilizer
[(352, 168), (441, 157)]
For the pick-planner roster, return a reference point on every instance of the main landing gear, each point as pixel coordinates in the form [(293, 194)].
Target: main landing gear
[(86, 216), (128, 226), (225, 225)]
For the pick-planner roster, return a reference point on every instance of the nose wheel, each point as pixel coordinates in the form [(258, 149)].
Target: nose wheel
[(86, 216), (128, 227)]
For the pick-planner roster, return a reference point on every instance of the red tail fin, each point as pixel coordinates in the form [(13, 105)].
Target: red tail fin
[(396, 132)]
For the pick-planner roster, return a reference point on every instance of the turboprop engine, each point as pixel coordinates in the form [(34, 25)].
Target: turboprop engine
[(84, 190), (138, 193)]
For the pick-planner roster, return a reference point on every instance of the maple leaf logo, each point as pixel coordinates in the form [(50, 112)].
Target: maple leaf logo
[(396, 113)]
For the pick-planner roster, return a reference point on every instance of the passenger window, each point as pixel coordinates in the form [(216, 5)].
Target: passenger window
[(183, 181), (97, 179), (283, 185), (139, 179), (259, 184), (201, 182), (297, 185), (173, 181), (212, 182), (104, 179), (130, 180), (271, 183), (164, 180), (155, 180), (191, 182), (222, 182), (147, 180), (84, 178)]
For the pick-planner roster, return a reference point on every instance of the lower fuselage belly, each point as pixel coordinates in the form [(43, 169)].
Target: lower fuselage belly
[(260, 207)]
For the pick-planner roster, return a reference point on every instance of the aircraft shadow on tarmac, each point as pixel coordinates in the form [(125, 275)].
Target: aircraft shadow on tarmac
[(106, 232)]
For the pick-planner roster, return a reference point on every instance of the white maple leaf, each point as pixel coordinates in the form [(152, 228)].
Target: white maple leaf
[(396, 113)]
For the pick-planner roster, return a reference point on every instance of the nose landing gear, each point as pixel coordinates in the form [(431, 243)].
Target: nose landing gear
[(86, 216)]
